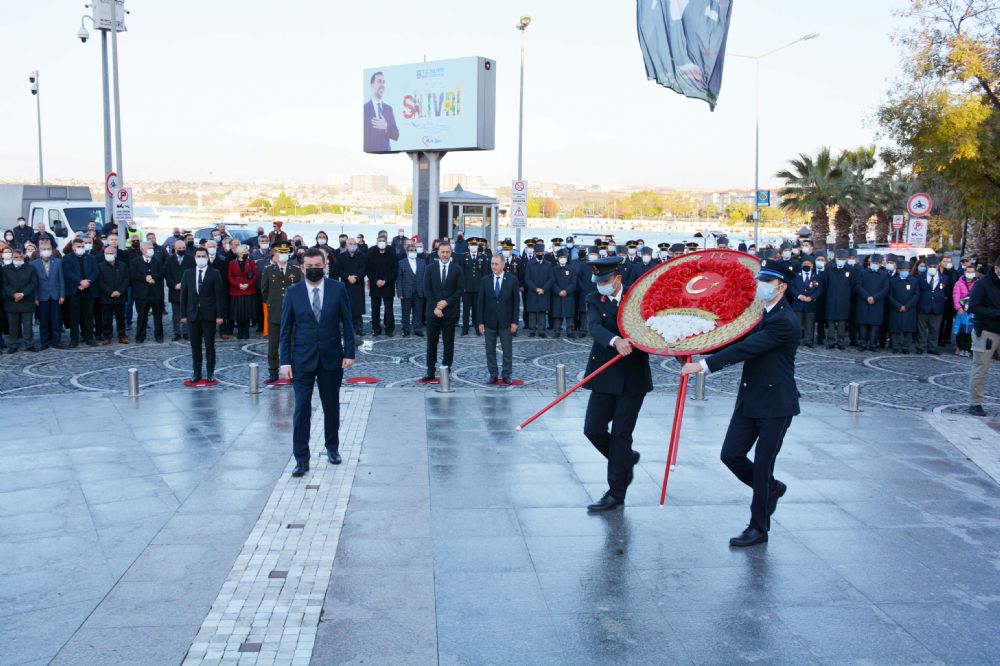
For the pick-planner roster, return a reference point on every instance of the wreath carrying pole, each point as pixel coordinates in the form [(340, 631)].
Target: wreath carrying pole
[(567, 393), (675, 430)]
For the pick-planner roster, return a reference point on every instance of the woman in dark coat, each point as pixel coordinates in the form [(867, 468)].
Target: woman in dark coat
[(242, 275), (351, 268)]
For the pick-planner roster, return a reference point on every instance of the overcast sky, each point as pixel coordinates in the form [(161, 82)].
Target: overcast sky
[(228, 90)]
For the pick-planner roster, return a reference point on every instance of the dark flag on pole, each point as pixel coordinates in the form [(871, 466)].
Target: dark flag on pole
[(684, 44)]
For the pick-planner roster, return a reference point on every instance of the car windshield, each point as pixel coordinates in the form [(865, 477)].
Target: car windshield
[(79, 218)]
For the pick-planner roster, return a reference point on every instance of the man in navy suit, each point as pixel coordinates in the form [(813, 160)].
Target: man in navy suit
[(380, 123), (933, 298), (497, 310), (317, 345), (410, 290), (444, 284), (50, 295), (767, 398)]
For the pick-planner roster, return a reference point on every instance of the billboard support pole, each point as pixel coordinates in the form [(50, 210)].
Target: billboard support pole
[(414, 198), (433, 193)]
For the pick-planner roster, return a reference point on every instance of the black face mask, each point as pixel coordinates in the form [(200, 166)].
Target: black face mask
[(180, 253), (343, 244), (190, 243), (314, 274)]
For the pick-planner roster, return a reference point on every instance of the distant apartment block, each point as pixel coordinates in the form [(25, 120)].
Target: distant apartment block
[(369, 183)]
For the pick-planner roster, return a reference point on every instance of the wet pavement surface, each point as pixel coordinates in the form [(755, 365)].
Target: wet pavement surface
[(465, 542)]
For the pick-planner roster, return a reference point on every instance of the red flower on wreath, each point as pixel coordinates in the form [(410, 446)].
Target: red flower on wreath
[(722, 286)]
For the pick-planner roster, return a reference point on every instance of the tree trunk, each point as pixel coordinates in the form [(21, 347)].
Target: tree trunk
[(820, 227), (859, 227), (983, 240), (882, 227), (841, 229)]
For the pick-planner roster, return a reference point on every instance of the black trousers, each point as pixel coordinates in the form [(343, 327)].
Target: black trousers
[(143, 307), (470, 309), (440, 327), (868, 334), (303, 382), (742, 435), (836, 333), (175, 318), (506, 337), (413, 313), (109, 312), (273, 340), (81, 316), (378, 302), (202, 330), (807, 322), (621, 411)]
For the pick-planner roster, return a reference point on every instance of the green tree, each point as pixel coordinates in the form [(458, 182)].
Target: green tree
[(259, 202), (408, 203), (811, 187), (286, 203)]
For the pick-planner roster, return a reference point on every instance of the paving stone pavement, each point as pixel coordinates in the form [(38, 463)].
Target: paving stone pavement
[(933, 383)]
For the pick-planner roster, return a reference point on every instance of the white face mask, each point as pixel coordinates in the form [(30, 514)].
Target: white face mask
[(79, 250), (606, 288), (562, 261), (473, 249), (602, 253), (766, 291), (88, 246), (631, 252), (664, 255), (932, 271), (46, 254), (212, 251), (18, 263), (21, 223), (851, 262), (352, 248), (786, 254), (282, 257), (591, 257), (420, 250), (507, 254), (321, 241), (646, 258), (890, 267), (411, 254), (110, 258), (970, 274), (150, 253), (263, 247), (201, 262), (820, 265), (7, 256), (381, 245)]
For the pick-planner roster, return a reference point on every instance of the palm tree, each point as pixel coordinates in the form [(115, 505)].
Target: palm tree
[(888, 197), (856, 195), (811, 186)]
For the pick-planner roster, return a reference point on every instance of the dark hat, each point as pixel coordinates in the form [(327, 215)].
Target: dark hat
[(677, 247), (691, 245), (622, 249), (506, 245), (647, 250), (664, 246), (785, 246), (876, 259), (768, 252), (742, 247), (604, 268), (807, 257), (722, 241), (631, 243), (569, 239), (932, 260), (282, 247), (599, 243), (539, 247), (775, 270), (593, 249), (852, 253), (557, 241), (840, 254), (562, 253)]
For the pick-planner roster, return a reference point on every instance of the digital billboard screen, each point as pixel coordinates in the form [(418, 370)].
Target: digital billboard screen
[(440, 105)]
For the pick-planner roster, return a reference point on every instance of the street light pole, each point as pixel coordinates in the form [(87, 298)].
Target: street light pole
[(36, 91), (756, 158), (118, 113), (522, 26), (106, 93)]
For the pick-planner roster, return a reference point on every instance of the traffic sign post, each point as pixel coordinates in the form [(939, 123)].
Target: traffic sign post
[(123, 206), (916, 234), (897, 225), (111, 183), (763, 197), (519, 204), (919, 204)]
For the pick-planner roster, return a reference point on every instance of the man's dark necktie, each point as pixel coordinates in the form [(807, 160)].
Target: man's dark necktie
[(496, 289), (317, 309), (200, 276)]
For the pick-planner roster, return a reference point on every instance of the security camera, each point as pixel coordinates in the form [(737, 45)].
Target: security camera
[(83, 34), (32, 77), (525, 22)]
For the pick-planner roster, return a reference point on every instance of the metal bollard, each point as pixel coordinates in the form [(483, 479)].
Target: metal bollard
[(254, 379), (699, 387), (445, 382), (560, 379), (853, 397), (133, 382)]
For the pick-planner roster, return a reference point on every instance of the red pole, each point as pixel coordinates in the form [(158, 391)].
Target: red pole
[(675, 430), (567, 393)]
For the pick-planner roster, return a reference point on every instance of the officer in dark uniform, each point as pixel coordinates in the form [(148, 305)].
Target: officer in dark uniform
[(563, 306), (474, 265), (647, 262), (663, 252), (616, 394), (722, 242), (277, 278), (767, 398)]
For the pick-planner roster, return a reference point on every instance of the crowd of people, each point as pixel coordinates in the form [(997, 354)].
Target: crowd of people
[(95, 289)]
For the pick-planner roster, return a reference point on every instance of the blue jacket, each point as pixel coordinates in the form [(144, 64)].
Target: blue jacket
[(305, 344), (876, 285), (933, 300), (767, 387), (408, 283), (811, 288), (50, 287), (72, 275)]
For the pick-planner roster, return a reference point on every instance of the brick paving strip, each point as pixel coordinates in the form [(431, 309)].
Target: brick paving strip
[(269, 607)]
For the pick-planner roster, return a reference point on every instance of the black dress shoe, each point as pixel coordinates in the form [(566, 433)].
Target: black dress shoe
[(777, 493), (607, 503), (977, 410), (492, 380), (465, 331), (333, 457), (419, 334), (635, 457), (751, 536), (272, 376), (196, 379), (211, 377), (175, 338), (300, 469)]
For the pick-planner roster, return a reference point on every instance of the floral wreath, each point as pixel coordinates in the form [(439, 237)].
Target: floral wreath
[(695, 297)]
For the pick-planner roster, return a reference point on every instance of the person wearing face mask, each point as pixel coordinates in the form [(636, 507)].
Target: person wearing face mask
[(538, 280), (806, 291), (474, 266), (563, 305), (203, 306), (22, 234), (242, 280), (278, 277), (443, 287), (947, 270), (147, 273), (585, 286), (8, 238), (617, 394), (80, 273), (382, 270), (321, 239), (632, 252), (316, 346), (766, 402), (646, 263), (872, 288), (399, 243), (663, 252), (904, 297), (498, 316), (49, 297), (173, 273), (20, 285), (351, 266), (410, 291), (113, 284), (984, 306), (962, 328), (934, 289), (837, 282)]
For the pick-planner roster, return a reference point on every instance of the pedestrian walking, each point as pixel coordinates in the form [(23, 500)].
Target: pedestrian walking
[(984, 306)]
